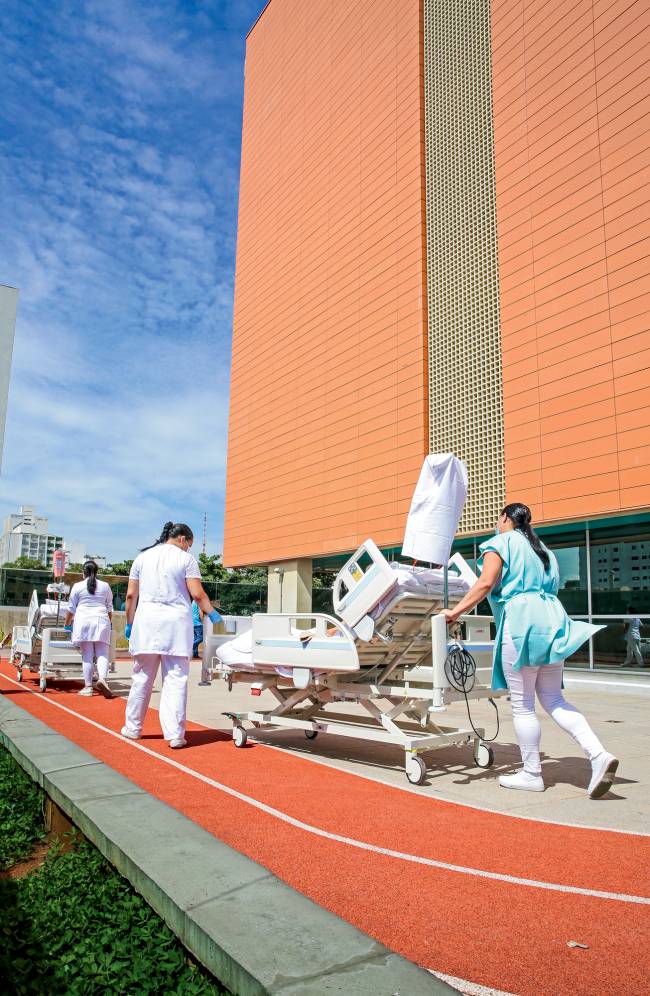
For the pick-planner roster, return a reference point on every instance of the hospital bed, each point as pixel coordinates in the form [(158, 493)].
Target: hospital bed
[(43, 646), (384, 652)]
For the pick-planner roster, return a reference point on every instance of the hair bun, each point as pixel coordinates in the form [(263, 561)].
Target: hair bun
[(168, 526)]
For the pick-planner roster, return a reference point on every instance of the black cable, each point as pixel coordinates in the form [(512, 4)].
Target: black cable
[(460, 671)]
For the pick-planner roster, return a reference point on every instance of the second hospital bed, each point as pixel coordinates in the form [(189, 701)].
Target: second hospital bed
[(43, 646), (385, 654)]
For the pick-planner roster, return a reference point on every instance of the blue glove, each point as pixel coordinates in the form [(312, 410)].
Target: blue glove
[(68, 629), (127, 630), (214, 616)]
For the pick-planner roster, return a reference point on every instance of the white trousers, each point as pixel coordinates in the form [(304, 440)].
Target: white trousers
[(91, 649), (173, 700), (633, 652), (547, 682)]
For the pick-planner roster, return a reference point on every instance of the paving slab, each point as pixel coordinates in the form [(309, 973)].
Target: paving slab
[(251, 930)]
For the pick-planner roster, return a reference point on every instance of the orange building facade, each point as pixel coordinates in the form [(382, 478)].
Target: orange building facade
[(328, 421), (411, 279), (571, 87)]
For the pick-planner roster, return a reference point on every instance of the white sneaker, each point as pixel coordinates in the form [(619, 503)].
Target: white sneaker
[(522, 780), (176, 744), (129, 736), (87, 690), (603, 769), (103, 688)]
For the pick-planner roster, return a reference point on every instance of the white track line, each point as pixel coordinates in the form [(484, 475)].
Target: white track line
[(468, 988), (608, 684), (339, 838)]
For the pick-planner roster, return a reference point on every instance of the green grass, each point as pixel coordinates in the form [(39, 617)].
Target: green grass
[(21, 812), (74, 926)]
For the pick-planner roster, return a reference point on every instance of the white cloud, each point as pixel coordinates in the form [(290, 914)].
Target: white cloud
[(120, 185)]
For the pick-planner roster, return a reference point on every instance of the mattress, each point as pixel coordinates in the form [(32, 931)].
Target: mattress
[(50, 614), (418, 581)]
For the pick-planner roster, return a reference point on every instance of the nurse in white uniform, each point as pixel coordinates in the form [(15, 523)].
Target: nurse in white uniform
[(163, 581), (91, 607)]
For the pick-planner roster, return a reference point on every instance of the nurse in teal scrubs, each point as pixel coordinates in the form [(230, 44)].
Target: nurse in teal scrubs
[(534, 637)]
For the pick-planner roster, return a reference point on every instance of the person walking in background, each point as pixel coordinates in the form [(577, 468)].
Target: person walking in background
[(534, 637), (197, 620), (164, 579), (632, 627), (91, 608)]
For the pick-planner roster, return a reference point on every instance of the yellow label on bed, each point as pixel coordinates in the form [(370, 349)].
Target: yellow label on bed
[(355, 571)]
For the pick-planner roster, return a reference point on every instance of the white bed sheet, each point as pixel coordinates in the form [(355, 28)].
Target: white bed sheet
[(418, 581)]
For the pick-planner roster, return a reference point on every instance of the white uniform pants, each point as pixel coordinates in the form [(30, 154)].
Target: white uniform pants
[(633, 652), (173, 700), (547, 682), (91, 650)]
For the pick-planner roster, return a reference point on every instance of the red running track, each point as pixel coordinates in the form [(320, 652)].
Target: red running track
[(517, 890)]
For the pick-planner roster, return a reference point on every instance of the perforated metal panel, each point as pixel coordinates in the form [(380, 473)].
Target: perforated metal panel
[(465, 387)]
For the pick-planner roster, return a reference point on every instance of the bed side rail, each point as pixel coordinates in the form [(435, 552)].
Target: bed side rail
[(281, 640), (21, 640)]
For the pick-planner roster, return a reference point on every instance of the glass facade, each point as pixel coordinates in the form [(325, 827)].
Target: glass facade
[(604, 579)]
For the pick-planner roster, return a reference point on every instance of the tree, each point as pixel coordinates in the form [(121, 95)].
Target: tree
[(123, 569), (322, 578), (249, 575), (211, 568), (75, 568), (26, 564)]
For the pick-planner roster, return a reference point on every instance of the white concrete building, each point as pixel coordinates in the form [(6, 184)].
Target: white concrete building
[(8, 305), (76, 553), (26, 535)]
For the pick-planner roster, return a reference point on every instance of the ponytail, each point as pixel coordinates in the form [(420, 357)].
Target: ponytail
[(166, 532), (170, 531), (90, 572), (521, 518)]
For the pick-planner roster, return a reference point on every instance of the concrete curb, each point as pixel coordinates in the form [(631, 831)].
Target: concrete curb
[(253, 932)]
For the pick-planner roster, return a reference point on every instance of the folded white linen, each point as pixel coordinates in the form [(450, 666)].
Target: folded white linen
[(436, 508)]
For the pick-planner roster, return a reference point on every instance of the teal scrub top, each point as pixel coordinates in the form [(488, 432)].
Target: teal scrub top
[(526, 596)]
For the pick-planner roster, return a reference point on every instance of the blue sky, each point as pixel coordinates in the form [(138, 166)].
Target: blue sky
[(120, 128)]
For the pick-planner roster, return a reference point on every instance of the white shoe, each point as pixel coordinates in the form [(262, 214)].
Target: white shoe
[(129, 736), (176, 744), (103, 688), (603, 769), (87, 690), (522, 780)]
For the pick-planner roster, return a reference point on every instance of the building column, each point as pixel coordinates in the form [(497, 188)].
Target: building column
[(289, 586)]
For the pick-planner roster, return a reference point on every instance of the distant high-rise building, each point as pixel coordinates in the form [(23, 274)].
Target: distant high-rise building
[(25, 534)]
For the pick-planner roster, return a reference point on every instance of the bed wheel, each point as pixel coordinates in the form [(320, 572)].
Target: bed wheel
[(483, 756), (311, 734), (43, 684), (416, 770), (239, 736)]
